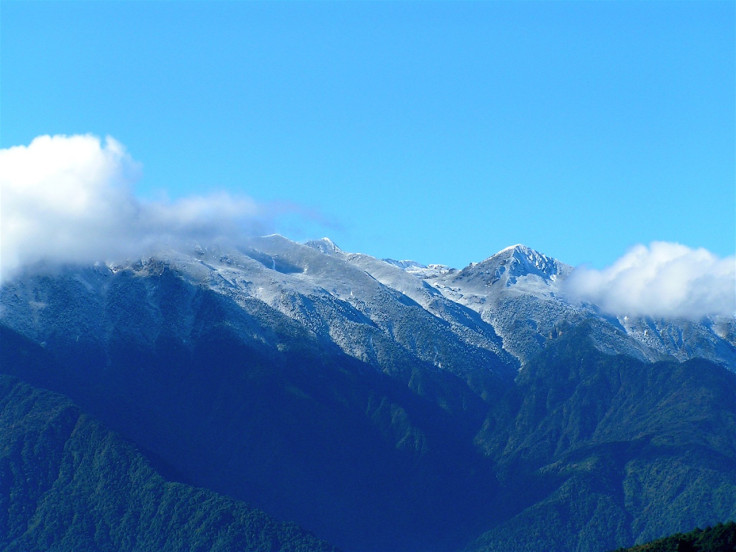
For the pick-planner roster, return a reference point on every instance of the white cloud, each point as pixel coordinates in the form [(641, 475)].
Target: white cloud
[(70, 199), (662, 280)]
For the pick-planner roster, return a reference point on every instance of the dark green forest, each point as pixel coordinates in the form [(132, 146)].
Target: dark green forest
[(720, 538), (68, 483)]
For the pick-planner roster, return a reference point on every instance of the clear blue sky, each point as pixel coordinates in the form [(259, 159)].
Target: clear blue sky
[(439, 131)]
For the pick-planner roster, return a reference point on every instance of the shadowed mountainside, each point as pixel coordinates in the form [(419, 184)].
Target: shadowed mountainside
[(68, 483)]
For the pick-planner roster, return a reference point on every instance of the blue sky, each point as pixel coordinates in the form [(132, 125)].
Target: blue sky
[(438, 131)]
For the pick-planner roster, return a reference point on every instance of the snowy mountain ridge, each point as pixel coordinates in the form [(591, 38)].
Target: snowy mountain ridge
[(501, 311)]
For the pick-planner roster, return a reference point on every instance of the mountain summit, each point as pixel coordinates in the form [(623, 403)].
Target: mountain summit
[(515, 265), (520, 260), (325, 245)]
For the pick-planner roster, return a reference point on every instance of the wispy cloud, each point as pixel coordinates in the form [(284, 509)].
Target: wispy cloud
[(71, 199), (661, 280)]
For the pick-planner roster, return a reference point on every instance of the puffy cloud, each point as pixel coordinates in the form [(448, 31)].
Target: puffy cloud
[(662, 280), (70, 199)]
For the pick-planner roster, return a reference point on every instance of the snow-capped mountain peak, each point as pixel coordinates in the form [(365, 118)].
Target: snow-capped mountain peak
[(520, 260), (325, 245), (516, 267)]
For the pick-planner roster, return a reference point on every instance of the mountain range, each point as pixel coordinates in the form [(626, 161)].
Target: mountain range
[(296, 396)]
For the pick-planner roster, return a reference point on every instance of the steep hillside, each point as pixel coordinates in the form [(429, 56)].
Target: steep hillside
[(610, 450), (301, 430), (68, 483)]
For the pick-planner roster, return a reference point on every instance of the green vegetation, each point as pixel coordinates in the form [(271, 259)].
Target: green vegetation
[(68, 483), (721, 538), (610, 451)]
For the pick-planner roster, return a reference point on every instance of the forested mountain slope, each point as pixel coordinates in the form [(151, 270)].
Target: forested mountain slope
[(383, 405), (720, 538), (68, 483)]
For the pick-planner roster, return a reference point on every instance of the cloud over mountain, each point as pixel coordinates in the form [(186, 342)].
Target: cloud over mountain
[(71, 199), (664, 279)]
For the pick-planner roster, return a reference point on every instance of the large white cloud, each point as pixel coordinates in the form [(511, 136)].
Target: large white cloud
[(661, 280), (70, 199)]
